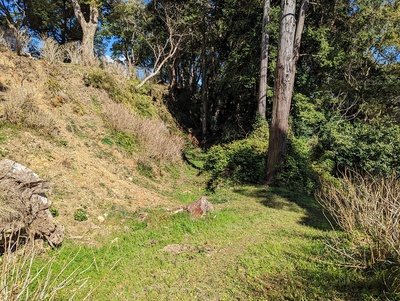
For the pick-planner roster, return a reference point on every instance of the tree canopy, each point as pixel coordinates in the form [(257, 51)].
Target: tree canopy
[(346, 94)]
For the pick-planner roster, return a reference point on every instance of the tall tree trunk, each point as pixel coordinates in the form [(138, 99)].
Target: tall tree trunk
[(262, 90), (297, 39), (88, 29), (204, 87), (288, 53), (173, 74)]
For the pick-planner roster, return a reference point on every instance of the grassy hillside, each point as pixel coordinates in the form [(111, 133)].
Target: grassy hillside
[(56, 120), (91, 134)]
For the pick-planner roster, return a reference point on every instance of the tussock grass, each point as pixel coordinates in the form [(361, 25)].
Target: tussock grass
[(157, 141), (51, 51), (21, 108), (369, 209), (20, 279)]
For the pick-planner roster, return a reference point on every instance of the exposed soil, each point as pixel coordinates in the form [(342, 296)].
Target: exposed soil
[(84, 172)]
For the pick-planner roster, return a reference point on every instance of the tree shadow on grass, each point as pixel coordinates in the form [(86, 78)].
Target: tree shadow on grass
[(321, 283), (283, 199)]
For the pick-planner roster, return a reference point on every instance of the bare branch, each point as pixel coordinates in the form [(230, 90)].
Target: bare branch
[(163, 51)]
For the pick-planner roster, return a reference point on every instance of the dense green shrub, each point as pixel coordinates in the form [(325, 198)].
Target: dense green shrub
[(102, 80), (340, 144), (241, 161), (374, 148), (297, 172)]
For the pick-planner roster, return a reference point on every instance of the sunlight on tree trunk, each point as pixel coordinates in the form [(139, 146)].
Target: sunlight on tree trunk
[(288, 53), (89, 29)]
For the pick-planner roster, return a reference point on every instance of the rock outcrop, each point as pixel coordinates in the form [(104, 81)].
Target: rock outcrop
[(24, 207)]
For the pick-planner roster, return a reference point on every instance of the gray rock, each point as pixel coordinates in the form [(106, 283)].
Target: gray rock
[(24, 206)]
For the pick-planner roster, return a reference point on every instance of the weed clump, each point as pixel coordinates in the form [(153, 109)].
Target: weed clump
[(102, 80), (20, 108), (80, 215), (366, 208), (157, 142), (22, 278)]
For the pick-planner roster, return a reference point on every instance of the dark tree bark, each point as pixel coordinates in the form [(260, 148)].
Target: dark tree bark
[(262, 90), (288, 53), (204, 88)]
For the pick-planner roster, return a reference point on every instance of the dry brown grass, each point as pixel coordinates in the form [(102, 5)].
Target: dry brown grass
[(51, 51), (156, 140), (1, 35), (368, 209), (114, 68), (73, 52), (21, 108), (82, 170)]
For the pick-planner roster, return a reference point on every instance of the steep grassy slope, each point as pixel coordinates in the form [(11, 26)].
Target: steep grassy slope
[(53, 120)]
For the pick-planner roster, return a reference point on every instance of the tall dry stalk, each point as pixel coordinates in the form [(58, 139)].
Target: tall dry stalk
[(19, 280), (1, 36), (156, 140), (368, 207), (51, 51), (17, 39), (21, 108), (73, 52)]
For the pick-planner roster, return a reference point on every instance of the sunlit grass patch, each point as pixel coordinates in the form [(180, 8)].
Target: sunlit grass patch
[(245, 249)]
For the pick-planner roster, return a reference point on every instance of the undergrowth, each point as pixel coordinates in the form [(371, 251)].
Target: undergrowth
[(367, 209), (156, 141), (241, 161), (22, 279), (20, 108)]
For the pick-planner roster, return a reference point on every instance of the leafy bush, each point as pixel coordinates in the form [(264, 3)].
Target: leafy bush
[(374, 148), (341, 144), (102, 80), (241, 161), (297, 171)]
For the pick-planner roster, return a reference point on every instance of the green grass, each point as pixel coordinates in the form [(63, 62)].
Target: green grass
[(259, 244)]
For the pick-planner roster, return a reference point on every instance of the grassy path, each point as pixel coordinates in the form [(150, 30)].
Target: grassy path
[(259, 244)]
